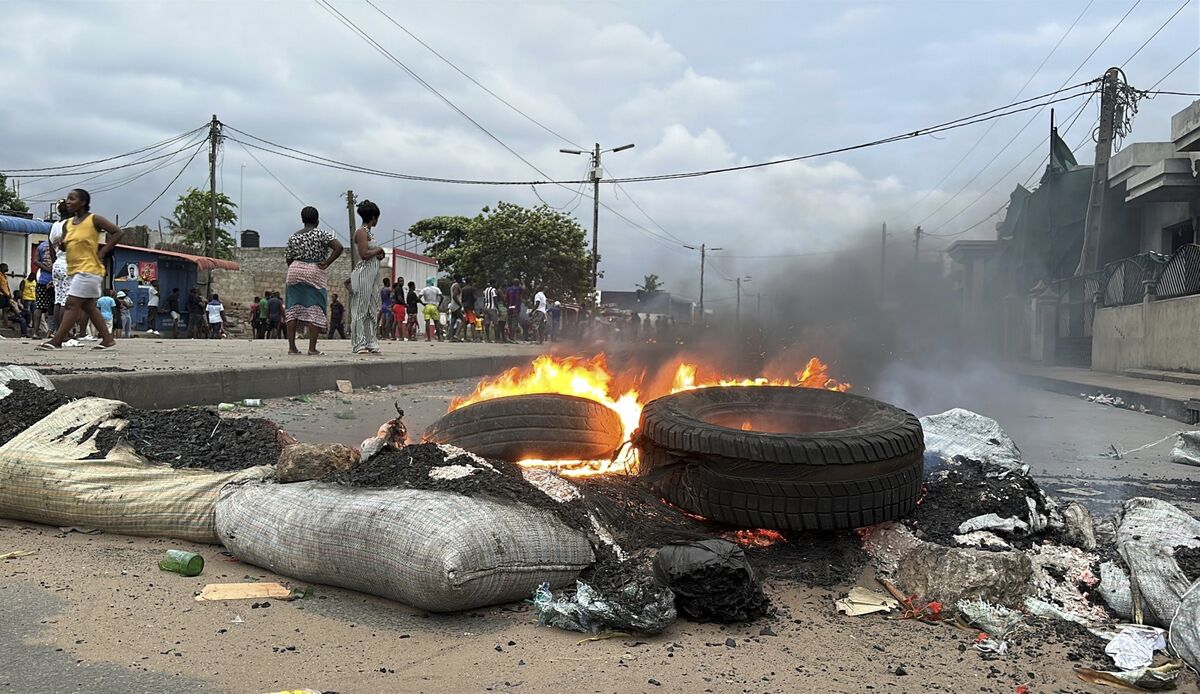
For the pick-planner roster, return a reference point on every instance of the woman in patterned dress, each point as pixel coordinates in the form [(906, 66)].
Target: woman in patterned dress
[(364, 298), (310, 252)]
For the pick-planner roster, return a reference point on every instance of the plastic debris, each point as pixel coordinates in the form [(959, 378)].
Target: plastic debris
[(994, 523), (345, 387), (962, 432), (862, 601), (996, 620), (1144, 679), (16, 554), (1134, 646), (712, 581), (1187, 448), (638, 606)]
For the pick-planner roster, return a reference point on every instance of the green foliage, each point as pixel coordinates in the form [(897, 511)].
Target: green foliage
[(650, 284), (193, 222), (9, 202), (542, 247)]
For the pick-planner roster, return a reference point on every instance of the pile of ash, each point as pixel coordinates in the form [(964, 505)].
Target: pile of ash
[(965, 489), (194, 438), (24, 406)]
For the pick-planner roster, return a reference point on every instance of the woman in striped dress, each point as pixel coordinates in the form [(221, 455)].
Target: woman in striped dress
[(364, 299), (310, 252)]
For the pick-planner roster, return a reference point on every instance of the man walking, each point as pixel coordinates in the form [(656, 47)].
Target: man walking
[(152, 309), (541, 315), (274, 316), (195, 309), (489, 311), (337, 317), (173, 311), (216, 318), (385, 320), (512, 302)]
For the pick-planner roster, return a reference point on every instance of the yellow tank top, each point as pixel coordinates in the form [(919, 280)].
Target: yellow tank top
[(82, 242), (30, 292)]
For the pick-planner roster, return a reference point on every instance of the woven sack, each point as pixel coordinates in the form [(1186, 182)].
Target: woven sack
[(44, 478), (437, 551)]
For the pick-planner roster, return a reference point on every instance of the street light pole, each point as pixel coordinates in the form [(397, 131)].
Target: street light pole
[(594, 174)]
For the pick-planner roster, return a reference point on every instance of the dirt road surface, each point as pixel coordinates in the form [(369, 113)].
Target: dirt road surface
[(91, 612)]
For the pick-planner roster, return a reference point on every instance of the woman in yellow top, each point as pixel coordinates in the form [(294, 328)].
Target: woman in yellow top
[(85, 268)]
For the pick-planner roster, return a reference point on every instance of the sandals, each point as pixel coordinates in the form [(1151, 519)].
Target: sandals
[(105, 348), (48, 347)]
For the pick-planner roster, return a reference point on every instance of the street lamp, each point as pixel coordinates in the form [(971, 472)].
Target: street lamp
[(595, 175)]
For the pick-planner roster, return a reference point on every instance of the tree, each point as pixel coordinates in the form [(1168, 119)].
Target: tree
[(9, 202), (542, 247), (193, 222), (650, 285)]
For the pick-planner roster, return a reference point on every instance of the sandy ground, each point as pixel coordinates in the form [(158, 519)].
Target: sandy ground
[(91, 612)]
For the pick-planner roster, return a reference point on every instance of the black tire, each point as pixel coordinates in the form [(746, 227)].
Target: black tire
[(865, 469), (550, 427)]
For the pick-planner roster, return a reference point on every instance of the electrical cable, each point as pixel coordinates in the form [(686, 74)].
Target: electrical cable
[(40, 196), (106, 170), (287, 188), (1013, 139), (168, 186), (984, 134), (1156, 32), (106, 159)]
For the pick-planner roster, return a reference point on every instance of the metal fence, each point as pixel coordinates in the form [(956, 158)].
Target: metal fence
[(1125, 280), (1181, 275)]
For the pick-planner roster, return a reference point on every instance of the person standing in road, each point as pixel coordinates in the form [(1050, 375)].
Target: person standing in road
[(468, 310), (310, 252), (337, 318), (107, 305), (512, 302), (196, 319), (125, 321), (275, 316), (398, 320), (412, 306), (541, 316), (152, 309), (264, 324), (386, 322), (44, 290), (216, 318), (365, 300), (58, 263), (489, 311), (173, 311), (430, 297), (555, 320), (455, 310), (254, 317), (29, 301), (85, 267)]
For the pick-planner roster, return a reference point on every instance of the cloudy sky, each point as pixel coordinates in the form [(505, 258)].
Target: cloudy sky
[(695, 85)]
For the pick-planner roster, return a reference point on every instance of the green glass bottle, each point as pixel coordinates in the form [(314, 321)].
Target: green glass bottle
[(182, 562)]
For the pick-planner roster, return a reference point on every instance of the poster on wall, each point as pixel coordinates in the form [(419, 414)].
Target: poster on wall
[(147, 271), (131, 271)]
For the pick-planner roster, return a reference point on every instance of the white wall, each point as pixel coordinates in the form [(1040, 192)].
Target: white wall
[(14, 250)]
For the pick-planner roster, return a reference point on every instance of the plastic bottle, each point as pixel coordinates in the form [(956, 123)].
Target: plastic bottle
[(252, 402), (182, 562)]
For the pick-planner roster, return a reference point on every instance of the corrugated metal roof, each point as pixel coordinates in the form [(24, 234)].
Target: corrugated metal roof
[(18, 225), (202, 262)]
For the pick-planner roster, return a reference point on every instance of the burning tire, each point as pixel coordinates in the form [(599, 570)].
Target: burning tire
[(782, 457), (548, 427)]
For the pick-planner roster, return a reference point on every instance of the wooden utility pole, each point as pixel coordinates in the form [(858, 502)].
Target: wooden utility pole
[(1089, 258), (917, 244), (595, 174), (882, 260), (210, 239), (350, 200), (702, 247)]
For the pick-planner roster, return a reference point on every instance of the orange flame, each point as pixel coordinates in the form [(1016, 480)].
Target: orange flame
[(761, 537), (593, 380)]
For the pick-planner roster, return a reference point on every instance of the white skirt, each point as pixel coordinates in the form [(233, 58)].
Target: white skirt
[(85, 285)]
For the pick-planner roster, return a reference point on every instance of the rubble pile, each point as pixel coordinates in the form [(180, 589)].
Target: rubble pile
[(195, 438)]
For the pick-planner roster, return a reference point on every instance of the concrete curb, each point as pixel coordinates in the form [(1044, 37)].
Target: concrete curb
[(1173, 408), (168, 389)]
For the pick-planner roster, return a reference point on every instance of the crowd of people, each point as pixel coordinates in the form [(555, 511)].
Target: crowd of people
[(65, 297)]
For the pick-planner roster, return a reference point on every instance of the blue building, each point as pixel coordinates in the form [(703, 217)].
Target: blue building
[(131, 268)]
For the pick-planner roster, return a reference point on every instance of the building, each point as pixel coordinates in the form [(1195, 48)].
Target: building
[(19, 238), (1142, 309), (649, 303), (413, 267), (131, 268)]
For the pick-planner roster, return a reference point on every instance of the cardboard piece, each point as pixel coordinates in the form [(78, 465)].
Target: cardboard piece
[(243, 591)]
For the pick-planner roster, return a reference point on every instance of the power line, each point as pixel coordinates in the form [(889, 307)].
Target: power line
[(39, 196), (1172, 71), (168, 186), (1013, 139), (106, 170), (1156, 32), (476, 82), (287, 188), (106, 159), (985, 133)]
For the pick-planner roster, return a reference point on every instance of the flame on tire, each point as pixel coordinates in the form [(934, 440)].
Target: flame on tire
[(592, 379)]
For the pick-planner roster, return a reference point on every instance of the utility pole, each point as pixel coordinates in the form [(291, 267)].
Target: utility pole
[(1089, 258), (214, 136), (350, 217), (594, 174), (737, 312), (703, 254), (917, 244), (882, 260)]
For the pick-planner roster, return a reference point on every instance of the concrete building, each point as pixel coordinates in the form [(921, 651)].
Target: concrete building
[(19, 237)]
